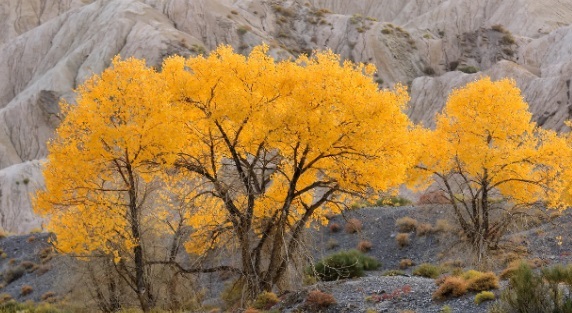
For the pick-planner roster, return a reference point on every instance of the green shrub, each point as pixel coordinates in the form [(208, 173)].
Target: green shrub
[(484, 296), (265, 301), (344, 264), (527, 292), (558, 274), (428, 270)]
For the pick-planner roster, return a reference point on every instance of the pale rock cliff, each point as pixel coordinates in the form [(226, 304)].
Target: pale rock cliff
[(48, 47)]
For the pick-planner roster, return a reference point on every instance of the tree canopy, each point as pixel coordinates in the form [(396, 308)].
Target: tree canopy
[(268, 146), (485, 148)]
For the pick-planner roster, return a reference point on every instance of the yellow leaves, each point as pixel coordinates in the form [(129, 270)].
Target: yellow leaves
[(486, 133), (307, 121)]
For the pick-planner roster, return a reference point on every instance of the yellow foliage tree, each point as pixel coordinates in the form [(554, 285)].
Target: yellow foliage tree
[(279, 145), (266, 148), (103, 166), (484, 149)]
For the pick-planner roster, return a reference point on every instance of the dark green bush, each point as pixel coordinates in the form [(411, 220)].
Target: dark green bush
[(344, 264)]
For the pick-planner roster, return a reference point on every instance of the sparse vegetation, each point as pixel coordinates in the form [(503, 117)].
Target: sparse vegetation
[(393, 201), (406, 224), (344, 264), (48, 296), (443, 225), (451, 287), (198, 49), (243, 29), (446, 309), (318, 300), (483, 282), (393, 273), (484, 296), (356, 18), (265, 300), (428, 270), (26, 290), (14, 273), (332, 244), (406, 263), (364, 245), (507, 39), (335, 227), (4, 298), (353, 225), (424, 229), (29, 266), (287, 12), (402, 239), (499, 28)]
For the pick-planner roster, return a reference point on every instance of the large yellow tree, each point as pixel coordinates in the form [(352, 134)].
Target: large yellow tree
[(247, 153), (485, 148), (278, 146)]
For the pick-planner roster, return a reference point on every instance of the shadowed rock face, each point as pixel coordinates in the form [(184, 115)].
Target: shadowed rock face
[(48, 47)]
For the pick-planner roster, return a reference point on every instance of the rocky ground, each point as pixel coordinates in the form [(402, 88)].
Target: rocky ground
[(550, 242), (30, 270), (353, 296)]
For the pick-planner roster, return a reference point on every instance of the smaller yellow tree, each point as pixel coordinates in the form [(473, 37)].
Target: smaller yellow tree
[(485, 148)]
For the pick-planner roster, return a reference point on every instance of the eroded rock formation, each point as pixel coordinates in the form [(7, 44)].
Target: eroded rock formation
[(48, 47)]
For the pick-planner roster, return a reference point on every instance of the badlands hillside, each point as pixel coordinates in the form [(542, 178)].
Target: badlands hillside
[(48, 47)]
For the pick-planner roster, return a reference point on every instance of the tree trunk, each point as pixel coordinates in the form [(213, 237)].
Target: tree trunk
[(142, 285)]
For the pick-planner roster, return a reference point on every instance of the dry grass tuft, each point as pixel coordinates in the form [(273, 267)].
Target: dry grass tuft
[(406, 224), (402, 239), (353, 226)]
